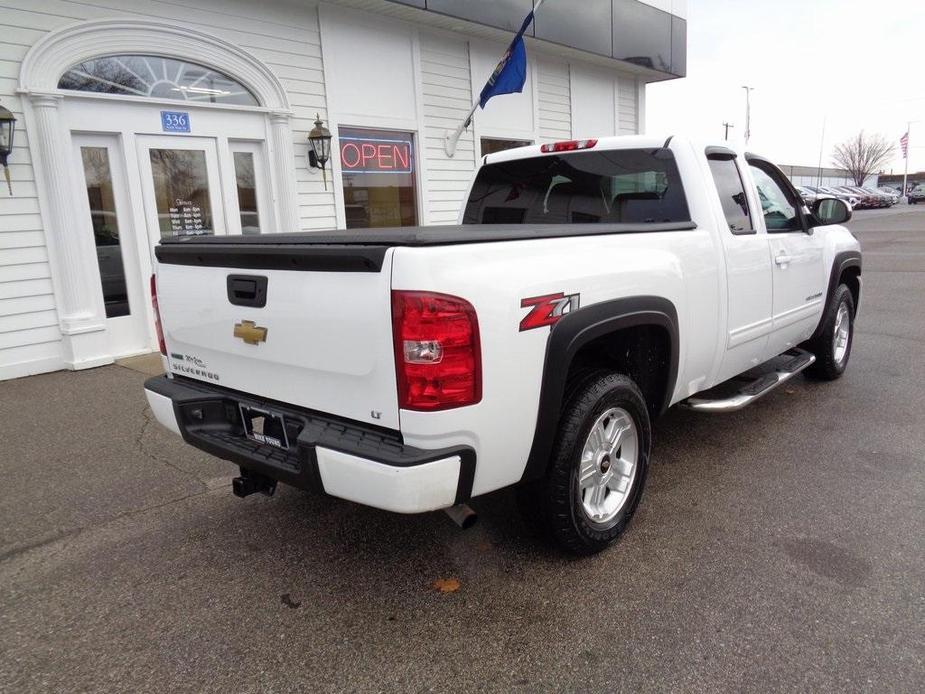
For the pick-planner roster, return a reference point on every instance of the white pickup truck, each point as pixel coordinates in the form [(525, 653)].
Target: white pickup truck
[(589, 286)]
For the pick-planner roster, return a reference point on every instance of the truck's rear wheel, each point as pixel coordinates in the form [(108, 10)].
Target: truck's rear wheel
[(833, 346), (598, 467)]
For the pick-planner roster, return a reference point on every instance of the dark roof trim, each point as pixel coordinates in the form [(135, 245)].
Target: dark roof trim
[(723, 153)]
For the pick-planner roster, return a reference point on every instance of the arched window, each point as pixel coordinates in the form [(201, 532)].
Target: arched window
[(154, 76)]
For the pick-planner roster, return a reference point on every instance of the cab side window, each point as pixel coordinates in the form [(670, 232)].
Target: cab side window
[(780, 212), (731, 194)]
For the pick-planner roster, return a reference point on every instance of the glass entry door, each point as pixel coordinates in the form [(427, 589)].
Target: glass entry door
[(181, 187), (105, 215)]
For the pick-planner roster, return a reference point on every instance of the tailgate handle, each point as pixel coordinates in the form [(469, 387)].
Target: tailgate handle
[(247, 290)]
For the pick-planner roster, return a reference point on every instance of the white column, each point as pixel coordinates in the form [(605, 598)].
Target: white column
[(283, 163), (72, 257), (640, 107)]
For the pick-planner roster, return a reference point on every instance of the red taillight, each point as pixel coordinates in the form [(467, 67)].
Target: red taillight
[(438, 359), (157, 317), (568, 146)]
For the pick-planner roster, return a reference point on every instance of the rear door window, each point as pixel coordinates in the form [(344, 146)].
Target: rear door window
[(636, 186), (731, 195)]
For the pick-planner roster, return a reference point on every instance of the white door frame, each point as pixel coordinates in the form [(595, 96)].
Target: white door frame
[(226, 153), (131, 334), (219, 186), (81, 320)]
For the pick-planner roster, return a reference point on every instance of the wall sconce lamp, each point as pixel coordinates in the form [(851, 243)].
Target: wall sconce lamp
[(320, 141), (7, 125)]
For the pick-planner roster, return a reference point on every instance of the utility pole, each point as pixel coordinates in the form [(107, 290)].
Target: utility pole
[(906, 172), (821, 147), (748, 112), (727, 126)]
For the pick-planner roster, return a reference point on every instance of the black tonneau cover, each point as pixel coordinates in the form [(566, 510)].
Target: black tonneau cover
[(353, 250), (429, 235)]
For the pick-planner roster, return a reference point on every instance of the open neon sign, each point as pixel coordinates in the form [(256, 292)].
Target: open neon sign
[(376, 155)]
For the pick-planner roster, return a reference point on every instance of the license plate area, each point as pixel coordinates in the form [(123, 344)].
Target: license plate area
[(264, 426)]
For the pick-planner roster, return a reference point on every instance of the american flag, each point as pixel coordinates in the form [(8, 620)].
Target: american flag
[(904, 144)]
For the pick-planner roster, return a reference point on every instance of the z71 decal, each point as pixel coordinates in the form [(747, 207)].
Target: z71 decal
[(547, 309)]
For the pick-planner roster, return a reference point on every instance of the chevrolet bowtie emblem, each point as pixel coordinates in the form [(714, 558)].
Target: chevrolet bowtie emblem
[(250, 332)]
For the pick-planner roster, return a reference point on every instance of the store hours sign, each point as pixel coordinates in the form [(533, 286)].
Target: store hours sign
[(186, 218), (175, 122)]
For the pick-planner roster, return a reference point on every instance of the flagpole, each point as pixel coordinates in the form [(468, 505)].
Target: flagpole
[(451, 139), (906, 157)]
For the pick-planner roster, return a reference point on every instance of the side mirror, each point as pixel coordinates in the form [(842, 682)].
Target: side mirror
[(830, 211)]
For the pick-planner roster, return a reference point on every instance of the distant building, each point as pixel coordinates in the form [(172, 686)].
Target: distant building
[(896, 180), (815, 176)]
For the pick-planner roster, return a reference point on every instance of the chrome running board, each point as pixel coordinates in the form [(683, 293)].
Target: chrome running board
[(751, 385)]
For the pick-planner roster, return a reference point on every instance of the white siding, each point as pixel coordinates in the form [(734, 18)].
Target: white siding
[(286, 38), (593, 102), (574, 99), (447, 97), (27, 304), (371, 68), (554, 101), (627, 108)]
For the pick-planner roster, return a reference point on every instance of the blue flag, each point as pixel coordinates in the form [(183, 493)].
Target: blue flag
[(511, 71)]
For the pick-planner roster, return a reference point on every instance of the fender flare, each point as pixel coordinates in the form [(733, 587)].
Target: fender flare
[(842, 261), (573, 332)]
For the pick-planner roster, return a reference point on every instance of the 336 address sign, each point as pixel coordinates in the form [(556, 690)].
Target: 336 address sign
[(175, 122)]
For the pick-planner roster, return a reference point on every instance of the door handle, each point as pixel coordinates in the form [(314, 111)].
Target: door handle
[(783, 259), (247, 290)]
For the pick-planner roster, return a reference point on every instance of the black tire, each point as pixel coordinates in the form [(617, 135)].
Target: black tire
[(553, 504), (827, 366)]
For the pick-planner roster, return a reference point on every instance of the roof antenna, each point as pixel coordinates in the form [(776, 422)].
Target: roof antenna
[(663, 152)]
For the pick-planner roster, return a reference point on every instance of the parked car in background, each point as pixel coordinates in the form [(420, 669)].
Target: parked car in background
[(892, 192), (866, 200), (880, 199), (809, 196), (917, 194), (852, 199)]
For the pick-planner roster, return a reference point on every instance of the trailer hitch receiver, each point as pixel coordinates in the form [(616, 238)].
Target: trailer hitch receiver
[(251, 483)]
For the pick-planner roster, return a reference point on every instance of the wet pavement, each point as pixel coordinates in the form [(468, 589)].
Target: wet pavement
[(778, 548)]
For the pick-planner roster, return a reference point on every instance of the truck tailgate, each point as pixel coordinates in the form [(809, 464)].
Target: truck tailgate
[(323, 339)]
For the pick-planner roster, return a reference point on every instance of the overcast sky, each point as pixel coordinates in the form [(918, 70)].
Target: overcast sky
[(857, 64)]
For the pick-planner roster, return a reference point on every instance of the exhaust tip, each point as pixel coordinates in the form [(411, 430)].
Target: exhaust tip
[(462, 515)]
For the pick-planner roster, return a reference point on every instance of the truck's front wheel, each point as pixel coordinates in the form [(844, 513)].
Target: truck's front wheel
[(598, 467)]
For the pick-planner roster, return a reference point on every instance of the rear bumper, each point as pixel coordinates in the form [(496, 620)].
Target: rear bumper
[(344, 459)]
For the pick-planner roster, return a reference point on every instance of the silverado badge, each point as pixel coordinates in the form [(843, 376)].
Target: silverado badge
[(250, 332)]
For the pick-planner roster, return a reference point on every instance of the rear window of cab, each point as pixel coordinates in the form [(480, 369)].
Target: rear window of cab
[(634, 186)]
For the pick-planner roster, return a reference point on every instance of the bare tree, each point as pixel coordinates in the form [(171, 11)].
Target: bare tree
[(862, 155)]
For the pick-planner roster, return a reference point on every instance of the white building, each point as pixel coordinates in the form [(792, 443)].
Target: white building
[(826, 177), (143, 118)]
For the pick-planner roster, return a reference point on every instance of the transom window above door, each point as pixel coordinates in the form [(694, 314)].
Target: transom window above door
[(157, 77)]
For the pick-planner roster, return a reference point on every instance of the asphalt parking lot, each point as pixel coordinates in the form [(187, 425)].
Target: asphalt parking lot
[(778, 548)]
